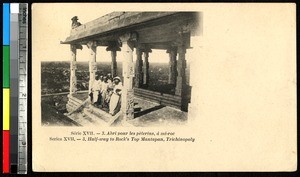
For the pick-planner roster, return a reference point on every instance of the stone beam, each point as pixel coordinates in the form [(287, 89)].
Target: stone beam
[(114, 21)]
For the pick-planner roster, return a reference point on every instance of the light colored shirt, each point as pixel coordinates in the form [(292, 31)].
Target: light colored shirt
[(104, 87), (96, 85), (118, 89)]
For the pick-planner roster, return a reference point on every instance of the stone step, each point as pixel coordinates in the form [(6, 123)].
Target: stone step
[(70, 107), (75, 100), (89, 115), (87, 121), (73, 104), (115, 118), (94, 118), (97, 113), (100, 113), (78, 118)]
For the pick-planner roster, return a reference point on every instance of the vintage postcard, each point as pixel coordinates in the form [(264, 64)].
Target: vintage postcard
[(164, 87)]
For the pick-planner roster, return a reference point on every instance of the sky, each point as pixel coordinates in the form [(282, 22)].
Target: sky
[(51, 23)]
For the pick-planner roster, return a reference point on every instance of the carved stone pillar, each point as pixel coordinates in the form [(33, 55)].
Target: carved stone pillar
[(127, 102), (139, 68), (113, 63), (181, 64), (146, 67), (172, 66), (73, 79), (92, 45), (113, 49)]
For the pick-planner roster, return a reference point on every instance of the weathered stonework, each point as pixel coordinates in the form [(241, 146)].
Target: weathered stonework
[(169, 31), (73, 79), (92, 45), (146, 67), (127, 101), (181, 65), (139, 68), (172, 66), (113, 49)]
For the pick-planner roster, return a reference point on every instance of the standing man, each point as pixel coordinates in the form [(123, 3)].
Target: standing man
[(104, 92), (95, 91), (110, 88), (115, 100)]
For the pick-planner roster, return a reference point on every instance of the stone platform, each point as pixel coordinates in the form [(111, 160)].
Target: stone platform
[(146, 113)]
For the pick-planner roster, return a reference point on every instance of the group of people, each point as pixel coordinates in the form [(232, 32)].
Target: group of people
[(106, 93)]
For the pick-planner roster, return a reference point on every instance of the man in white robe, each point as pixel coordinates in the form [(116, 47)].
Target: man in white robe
[(110, 88), (115, 100), (96, 90), (104, 87)]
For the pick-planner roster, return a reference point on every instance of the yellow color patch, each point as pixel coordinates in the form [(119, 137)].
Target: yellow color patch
[(6, 108)]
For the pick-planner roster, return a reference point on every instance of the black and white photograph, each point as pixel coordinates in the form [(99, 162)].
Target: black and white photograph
[(134, 72), (163, 87)]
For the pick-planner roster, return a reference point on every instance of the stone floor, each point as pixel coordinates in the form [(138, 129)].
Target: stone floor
[(148, 113), (152, 114)]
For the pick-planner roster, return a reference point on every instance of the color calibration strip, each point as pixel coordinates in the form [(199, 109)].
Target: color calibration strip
[(15, 41), (14, 86), (6, 88)]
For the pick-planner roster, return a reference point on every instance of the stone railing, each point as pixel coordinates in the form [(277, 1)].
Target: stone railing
[(161, 98)]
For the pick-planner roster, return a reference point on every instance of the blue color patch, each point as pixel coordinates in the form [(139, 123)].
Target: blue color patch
[(6, 23)]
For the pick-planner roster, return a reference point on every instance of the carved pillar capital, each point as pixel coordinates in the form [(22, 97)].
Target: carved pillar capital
[(139, 52), (183, 38), (91, 44), (143, 47), (147, 50), (180, 41), (113, 46), (129, 38), (74, 47), (186, 27), (172, 50), (132, 36), (145, 55)]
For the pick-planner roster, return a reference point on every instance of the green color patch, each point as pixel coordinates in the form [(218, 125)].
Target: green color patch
[(6, 66)]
